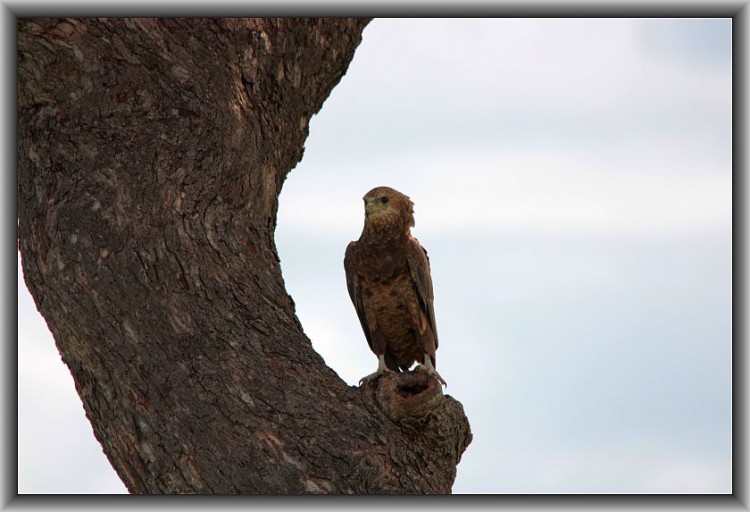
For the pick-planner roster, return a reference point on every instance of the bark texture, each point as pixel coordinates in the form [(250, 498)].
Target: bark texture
[(151, 156)]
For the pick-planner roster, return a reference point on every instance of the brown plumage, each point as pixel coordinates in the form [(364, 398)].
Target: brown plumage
[(388, 278)]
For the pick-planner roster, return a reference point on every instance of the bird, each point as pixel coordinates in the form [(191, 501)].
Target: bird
[(389, 282)]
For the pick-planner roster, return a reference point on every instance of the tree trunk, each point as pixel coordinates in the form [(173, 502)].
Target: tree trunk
[(151, 156)]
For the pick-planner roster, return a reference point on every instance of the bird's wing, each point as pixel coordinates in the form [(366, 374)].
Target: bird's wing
[(419, 267), (353, 284)]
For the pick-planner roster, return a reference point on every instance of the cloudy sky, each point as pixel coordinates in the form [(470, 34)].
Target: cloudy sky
[(572, 181)]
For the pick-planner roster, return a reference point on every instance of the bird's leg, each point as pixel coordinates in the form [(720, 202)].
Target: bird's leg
[(431, 369), (381, 369)]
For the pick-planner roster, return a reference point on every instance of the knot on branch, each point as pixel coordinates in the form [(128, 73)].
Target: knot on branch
[(432, 425), (408, 395)]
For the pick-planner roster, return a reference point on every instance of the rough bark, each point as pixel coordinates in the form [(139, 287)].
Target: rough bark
[(151, 156)]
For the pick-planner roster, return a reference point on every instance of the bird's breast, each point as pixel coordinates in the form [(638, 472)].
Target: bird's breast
[(391, 305), (381, 265)]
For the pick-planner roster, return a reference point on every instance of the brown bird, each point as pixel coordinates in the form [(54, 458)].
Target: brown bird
[(388, 278)]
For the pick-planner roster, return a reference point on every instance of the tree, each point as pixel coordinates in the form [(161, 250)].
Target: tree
[(151, 156)]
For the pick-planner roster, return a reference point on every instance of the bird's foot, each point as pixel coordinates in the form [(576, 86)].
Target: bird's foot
[(432, 371), (373, 375)]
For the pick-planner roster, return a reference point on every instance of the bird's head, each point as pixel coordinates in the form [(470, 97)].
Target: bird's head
[(386, 204)]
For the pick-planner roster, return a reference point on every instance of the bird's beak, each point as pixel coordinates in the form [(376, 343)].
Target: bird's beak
[(369, 208)]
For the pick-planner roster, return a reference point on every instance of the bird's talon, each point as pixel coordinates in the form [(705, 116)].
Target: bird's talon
[(432, 371), (373, 376)]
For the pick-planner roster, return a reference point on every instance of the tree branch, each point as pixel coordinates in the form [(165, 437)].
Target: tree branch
[(151, 156)]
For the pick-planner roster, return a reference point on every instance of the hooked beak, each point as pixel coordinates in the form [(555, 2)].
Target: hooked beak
[(369, 208)]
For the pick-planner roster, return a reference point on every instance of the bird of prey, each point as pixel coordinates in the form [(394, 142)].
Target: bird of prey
[(388, 278)]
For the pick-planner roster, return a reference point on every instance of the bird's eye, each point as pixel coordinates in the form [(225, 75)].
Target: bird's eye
[(384, 199)]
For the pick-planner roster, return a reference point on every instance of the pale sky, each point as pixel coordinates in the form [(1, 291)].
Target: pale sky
[(572, 182)]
